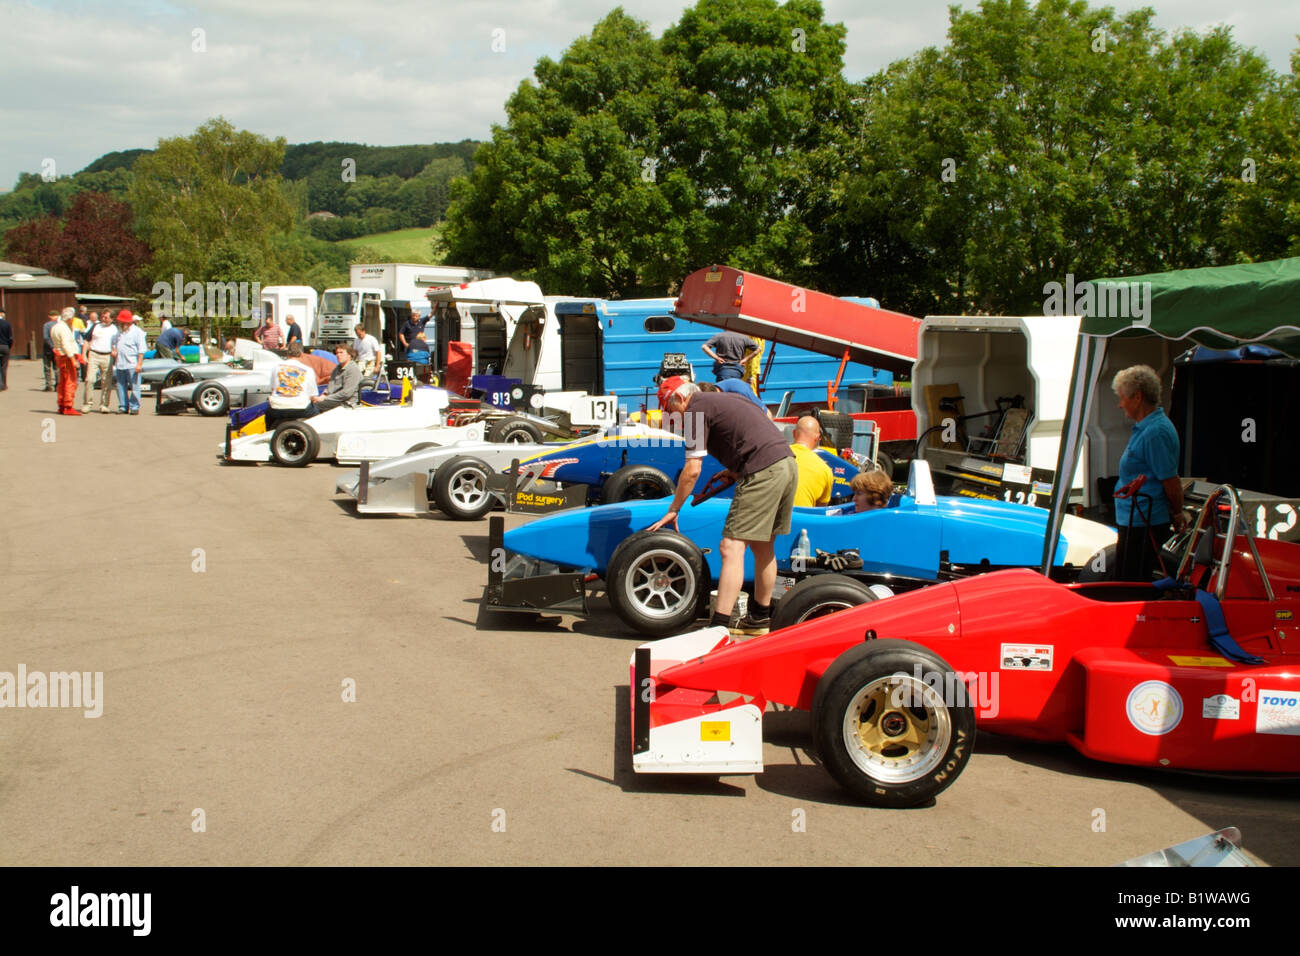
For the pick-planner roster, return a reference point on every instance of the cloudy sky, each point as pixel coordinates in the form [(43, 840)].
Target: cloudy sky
[(84, 78)]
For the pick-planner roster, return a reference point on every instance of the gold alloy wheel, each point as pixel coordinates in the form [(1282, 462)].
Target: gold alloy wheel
[(897, 728)]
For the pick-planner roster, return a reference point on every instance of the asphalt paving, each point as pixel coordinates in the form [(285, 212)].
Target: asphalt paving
[(284, 682)]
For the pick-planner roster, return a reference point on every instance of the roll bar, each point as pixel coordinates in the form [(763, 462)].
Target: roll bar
[(1208, 514)]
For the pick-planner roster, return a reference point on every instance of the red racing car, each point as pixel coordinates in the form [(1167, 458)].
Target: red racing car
[(1192, 673)]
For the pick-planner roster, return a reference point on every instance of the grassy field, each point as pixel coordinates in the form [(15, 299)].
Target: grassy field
[(403, 245)]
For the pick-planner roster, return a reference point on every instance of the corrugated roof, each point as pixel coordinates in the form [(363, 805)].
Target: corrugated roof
[(9, 268)]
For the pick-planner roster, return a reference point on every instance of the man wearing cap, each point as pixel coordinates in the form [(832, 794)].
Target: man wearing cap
[(754, 452), (128, 361), (68, 356)]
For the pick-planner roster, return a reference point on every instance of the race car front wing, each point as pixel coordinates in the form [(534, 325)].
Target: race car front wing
[(685, 730)]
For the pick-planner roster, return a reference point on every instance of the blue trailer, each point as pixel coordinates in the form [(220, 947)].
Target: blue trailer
[(616, 347)]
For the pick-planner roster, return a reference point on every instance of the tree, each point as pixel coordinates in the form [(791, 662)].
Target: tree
[(570, 192), (219, 184), (1040, 142), (762, 107), (103, 253), (94, 245)]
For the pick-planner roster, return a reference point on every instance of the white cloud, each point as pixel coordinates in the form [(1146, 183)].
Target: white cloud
[(85, 78)]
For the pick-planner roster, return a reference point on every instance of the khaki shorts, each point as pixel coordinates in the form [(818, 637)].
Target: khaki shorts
[(761, 509)]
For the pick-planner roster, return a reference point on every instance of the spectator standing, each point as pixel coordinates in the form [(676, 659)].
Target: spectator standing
[(47, 357), (269, 335), (729, 351), (295, 333), (68, 356), (99, 361), (128, 361), (6, 346), (815, 476), (1152, 452), (370, 353), (406, 335)]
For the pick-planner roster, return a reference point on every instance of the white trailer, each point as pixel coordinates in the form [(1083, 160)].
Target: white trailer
[(286, 303), (985, 358)]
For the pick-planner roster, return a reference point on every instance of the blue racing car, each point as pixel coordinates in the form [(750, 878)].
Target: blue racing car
[(628, 461), (658, 582)]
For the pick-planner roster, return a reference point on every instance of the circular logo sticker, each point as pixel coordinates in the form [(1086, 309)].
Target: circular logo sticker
[(1154, 707)]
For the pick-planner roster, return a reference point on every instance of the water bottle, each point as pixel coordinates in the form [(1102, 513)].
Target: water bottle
[(803, 547)]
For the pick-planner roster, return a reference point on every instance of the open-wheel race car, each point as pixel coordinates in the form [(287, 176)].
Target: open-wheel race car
[(658, 582), (1196, 672), (626, 462), (348, 434)]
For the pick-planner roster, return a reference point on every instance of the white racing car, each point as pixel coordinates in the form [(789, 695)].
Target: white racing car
[(353, 435), (214, 394)]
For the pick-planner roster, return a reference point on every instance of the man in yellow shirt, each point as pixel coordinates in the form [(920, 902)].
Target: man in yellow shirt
[(815, 477)]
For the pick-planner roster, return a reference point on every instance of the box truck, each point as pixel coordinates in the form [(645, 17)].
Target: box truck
[(393, 291)]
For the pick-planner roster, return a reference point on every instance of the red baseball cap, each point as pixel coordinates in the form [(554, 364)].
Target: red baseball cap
[(125, 316), (668, 386)]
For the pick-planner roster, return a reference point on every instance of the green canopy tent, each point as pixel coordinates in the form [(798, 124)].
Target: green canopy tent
[(1220, 307)]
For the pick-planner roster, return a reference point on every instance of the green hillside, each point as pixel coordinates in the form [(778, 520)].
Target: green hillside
[(400, 245)]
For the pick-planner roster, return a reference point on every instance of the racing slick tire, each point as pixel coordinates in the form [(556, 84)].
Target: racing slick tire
[(294, 443), (1102, 566), (655, 582), (636, 483), (889, 737), (177, 376), (460, 488), (211, 400), (818, 595), (514, 430)]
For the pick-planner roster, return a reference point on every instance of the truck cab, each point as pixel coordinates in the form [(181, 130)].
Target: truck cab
[(341, 310)]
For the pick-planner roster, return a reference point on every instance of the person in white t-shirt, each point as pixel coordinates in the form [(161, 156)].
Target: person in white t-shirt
[(99, 360), (293, 386), (370, 352)]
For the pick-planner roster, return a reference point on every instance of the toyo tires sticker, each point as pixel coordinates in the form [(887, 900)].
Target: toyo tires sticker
[(1154, 707), (1278, 712)]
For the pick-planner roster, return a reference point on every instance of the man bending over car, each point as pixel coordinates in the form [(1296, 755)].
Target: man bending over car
[(754, 452)]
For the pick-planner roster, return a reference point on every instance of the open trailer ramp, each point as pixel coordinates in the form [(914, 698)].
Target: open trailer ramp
[(790, 315)]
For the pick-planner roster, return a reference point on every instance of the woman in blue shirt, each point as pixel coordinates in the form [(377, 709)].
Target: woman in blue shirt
[(1153, 451)]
